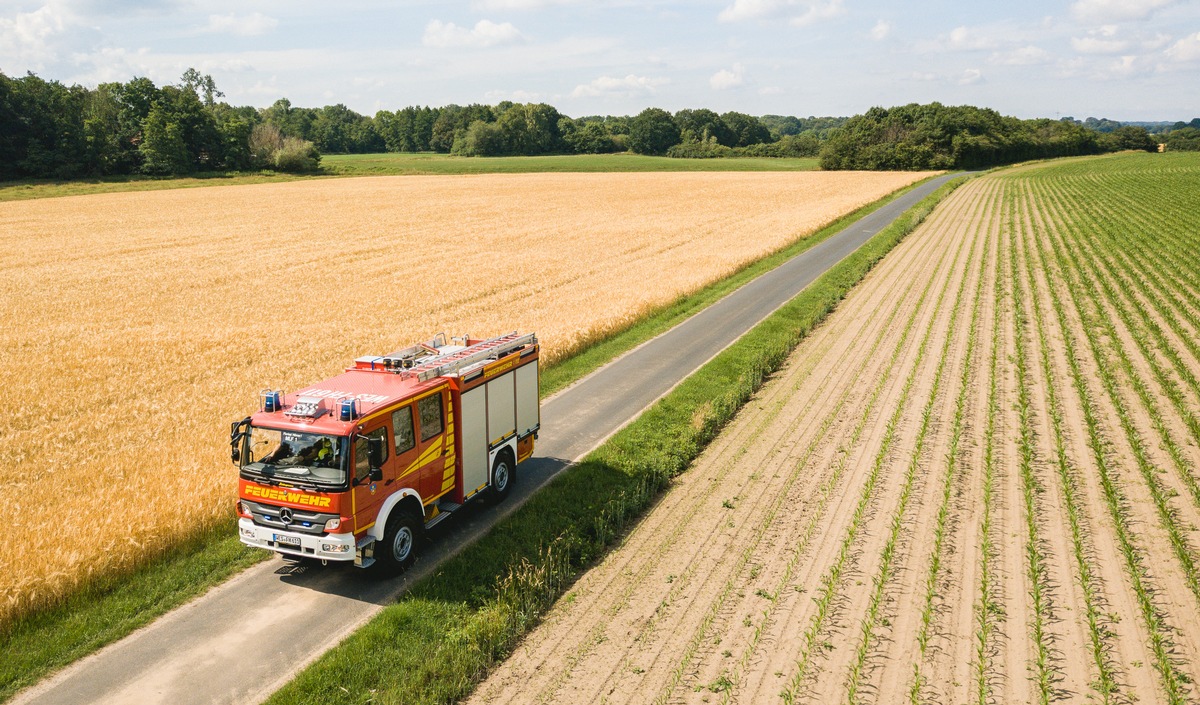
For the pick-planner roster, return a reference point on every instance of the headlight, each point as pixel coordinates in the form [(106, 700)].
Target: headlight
[(333, 524), (244, 509), (335, 548), (247, 532)]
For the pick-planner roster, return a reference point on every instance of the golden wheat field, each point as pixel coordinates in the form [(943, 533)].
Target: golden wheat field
[(135, 326)]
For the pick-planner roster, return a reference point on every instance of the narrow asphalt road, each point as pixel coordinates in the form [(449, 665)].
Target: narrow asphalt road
[(242, 640)]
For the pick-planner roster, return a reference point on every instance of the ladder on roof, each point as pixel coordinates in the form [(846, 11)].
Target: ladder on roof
[(450, 363)]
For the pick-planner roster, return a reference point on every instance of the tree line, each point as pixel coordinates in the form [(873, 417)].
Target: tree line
[(936, 136), (51, 130)]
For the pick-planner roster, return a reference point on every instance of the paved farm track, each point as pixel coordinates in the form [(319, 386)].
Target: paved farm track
[(245, 638), (976, 482)]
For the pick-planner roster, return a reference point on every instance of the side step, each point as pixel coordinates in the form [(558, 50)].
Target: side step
[(444, 509)]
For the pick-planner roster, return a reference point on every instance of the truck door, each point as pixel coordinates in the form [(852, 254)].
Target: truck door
[(367, 494), (435, 450)]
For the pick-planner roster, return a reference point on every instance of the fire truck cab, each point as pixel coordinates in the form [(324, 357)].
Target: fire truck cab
[(355, 468)]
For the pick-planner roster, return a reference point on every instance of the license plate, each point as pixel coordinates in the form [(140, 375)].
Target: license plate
[(290, 540)]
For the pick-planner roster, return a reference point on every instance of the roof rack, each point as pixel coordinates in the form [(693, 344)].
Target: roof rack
[(449, 363)]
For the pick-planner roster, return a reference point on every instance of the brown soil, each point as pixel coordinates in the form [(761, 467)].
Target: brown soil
[(752, 582)]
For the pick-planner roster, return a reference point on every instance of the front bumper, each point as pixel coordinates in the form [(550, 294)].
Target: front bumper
[(331, 547)]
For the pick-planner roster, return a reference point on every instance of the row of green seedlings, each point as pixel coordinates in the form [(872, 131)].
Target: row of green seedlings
[(887, 560), (1145, 219), (1141, 325), (1157, 628), (831, 581), (1083, 289), (988, 610), (1100, 636), (827, 488), (1140, 328), (1154, 217), (951, 475), (1030, 487)]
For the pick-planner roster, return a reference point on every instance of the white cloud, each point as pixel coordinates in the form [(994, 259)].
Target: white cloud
[(1186, 49), (631, 86), (726, 78), (770, 90), (32, 37), (1117, 10), (1097, 45), (1102, 40), (962, 78), (517, 96), (251, 25), (880, 30), (505, 5), (1126, 66), (798, 13), (485, 33), (966, 38), (1022, 56)]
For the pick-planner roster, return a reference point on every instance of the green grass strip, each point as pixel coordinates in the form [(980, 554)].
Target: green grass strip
[(111, 607), (440, 639)]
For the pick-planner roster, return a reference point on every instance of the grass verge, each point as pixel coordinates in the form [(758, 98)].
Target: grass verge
[(114, 606), (437, 642)]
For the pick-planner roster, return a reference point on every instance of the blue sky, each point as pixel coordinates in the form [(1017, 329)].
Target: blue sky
[(1122, 59)]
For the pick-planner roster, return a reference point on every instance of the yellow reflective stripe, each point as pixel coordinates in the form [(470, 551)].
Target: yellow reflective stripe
[(426, 457)]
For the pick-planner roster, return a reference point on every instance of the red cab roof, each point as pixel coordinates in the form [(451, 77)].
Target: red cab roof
[(374, 390)]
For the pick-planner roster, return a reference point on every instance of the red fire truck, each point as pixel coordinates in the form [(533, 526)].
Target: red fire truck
[(355, 468)]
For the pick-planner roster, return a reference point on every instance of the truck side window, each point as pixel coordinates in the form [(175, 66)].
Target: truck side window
[(402, 428), (430, 409), (362, 464)]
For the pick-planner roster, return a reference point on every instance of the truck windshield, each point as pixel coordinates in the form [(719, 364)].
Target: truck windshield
[(296, 457)]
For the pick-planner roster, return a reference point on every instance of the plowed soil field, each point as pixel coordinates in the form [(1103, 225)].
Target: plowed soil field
[(977, 482), (135, 326)]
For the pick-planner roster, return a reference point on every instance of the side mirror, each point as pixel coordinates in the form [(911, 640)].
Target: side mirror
[(376, 475), (375, 453), (237, 431)]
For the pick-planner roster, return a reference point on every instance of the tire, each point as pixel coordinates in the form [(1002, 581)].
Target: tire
[(504, 474), (398, 549)]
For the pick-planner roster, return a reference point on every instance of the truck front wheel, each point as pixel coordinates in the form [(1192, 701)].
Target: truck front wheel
[(399, 546)]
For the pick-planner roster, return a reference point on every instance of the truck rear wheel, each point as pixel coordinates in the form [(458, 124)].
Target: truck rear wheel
[(504, 474), (398, 548)]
